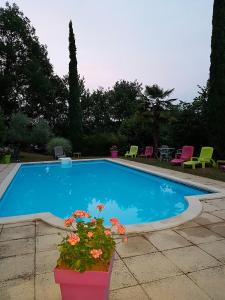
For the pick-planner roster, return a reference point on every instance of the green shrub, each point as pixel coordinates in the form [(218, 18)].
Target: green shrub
[(99, 144), (41, 133), (59, 141)]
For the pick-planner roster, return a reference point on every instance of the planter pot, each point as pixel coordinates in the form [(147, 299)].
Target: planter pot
[(114, 153), (89, 285)]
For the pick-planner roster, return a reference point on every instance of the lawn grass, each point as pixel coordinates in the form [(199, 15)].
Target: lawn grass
[(33, 157), (209, 172)]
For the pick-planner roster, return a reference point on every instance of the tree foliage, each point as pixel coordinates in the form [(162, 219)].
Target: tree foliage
[(27, 80), (41, 133), (19, 129), (75, 119), (216, 99), (158, 103)]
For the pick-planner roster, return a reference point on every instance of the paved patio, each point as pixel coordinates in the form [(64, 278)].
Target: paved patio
[(186, 262)]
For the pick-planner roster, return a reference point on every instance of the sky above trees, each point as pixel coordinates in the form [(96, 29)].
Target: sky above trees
[(163, 42)]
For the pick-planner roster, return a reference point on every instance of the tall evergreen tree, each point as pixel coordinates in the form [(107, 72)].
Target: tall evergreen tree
[(75, 120), (216, 98)]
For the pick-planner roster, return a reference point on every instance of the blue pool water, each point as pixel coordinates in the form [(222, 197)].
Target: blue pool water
[(128, 194)]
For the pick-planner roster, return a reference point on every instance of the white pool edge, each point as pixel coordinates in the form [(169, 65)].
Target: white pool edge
[(194, 204)]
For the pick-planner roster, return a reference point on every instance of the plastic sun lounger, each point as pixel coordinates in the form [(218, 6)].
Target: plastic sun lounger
[(204, 157), (133, 152), (148, 152), (186, 154)]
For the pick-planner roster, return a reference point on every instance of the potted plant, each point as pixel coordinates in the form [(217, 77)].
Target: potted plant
[(86, 257), (114, 151)]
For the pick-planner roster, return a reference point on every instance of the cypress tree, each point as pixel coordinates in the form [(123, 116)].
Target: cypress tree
[(75, 120), (216, 98)]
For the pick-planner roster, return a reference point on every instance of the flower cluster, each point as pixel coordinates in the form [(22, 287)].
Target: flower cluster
[(89, 245)]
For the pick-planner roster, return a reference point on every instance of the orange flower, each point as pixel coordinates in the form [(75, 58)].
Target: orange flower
[(100, 207), (87, 215), (90, 234), (120, 229), (68, 222), (114, 221), (96, 253), (108, 232), (93, 221), (80, 214), (73, 239)]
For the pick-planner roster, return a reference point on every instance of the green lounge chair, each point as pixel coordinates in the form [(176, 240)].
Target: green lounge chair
[(133, 151), (204, 157)]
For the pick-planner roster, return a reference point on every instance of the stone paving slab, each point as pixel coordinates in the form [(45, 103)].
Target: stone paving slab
[(46, 261), (198, 235), (44, 229), (167, 239), (19, 224), (190, 259), (220, 214), (210, 208), (216, 249), (130, 293), (206, 218), (219, 203), (17, 247), (188, 224), (137, 245), (150, 267), (121, 277), (174, 288), (48, 242), (218, 228), (18, 289), (16, 266), (46, 288), (212, 281), (19, 232)]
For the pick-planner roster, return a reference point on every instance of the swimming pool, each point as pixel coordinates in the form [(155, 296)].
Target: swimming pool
[(133, 196)]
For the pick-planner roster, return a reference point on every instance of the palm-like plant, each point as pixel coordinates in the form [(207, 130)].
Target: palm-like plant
[(159, 105)]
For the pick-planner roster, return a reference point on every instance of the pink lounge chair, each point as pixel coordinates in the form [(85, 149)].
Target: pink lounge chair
[(148, 152), (186, 154)]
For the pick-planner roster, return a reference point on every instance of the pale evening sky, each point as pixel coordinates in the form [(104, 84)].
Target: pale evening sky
[(154, 41)]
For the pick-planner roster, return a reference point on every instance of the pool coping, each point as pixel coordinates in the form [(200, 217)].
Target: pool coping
[(194, 202)]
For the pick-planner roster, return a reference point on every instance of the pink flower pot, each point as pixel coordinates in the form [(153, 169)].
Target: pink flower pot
[(88, 285), (114, 153)]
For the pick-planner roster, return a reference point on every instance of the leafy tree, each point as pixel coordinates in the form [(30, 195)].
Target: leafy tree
[(96, 112), (216, 99), (159, 105), (75, 119), (19, 129), (124, 99), (41, 133), (190, 125), (27, 80), (138, 129)]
